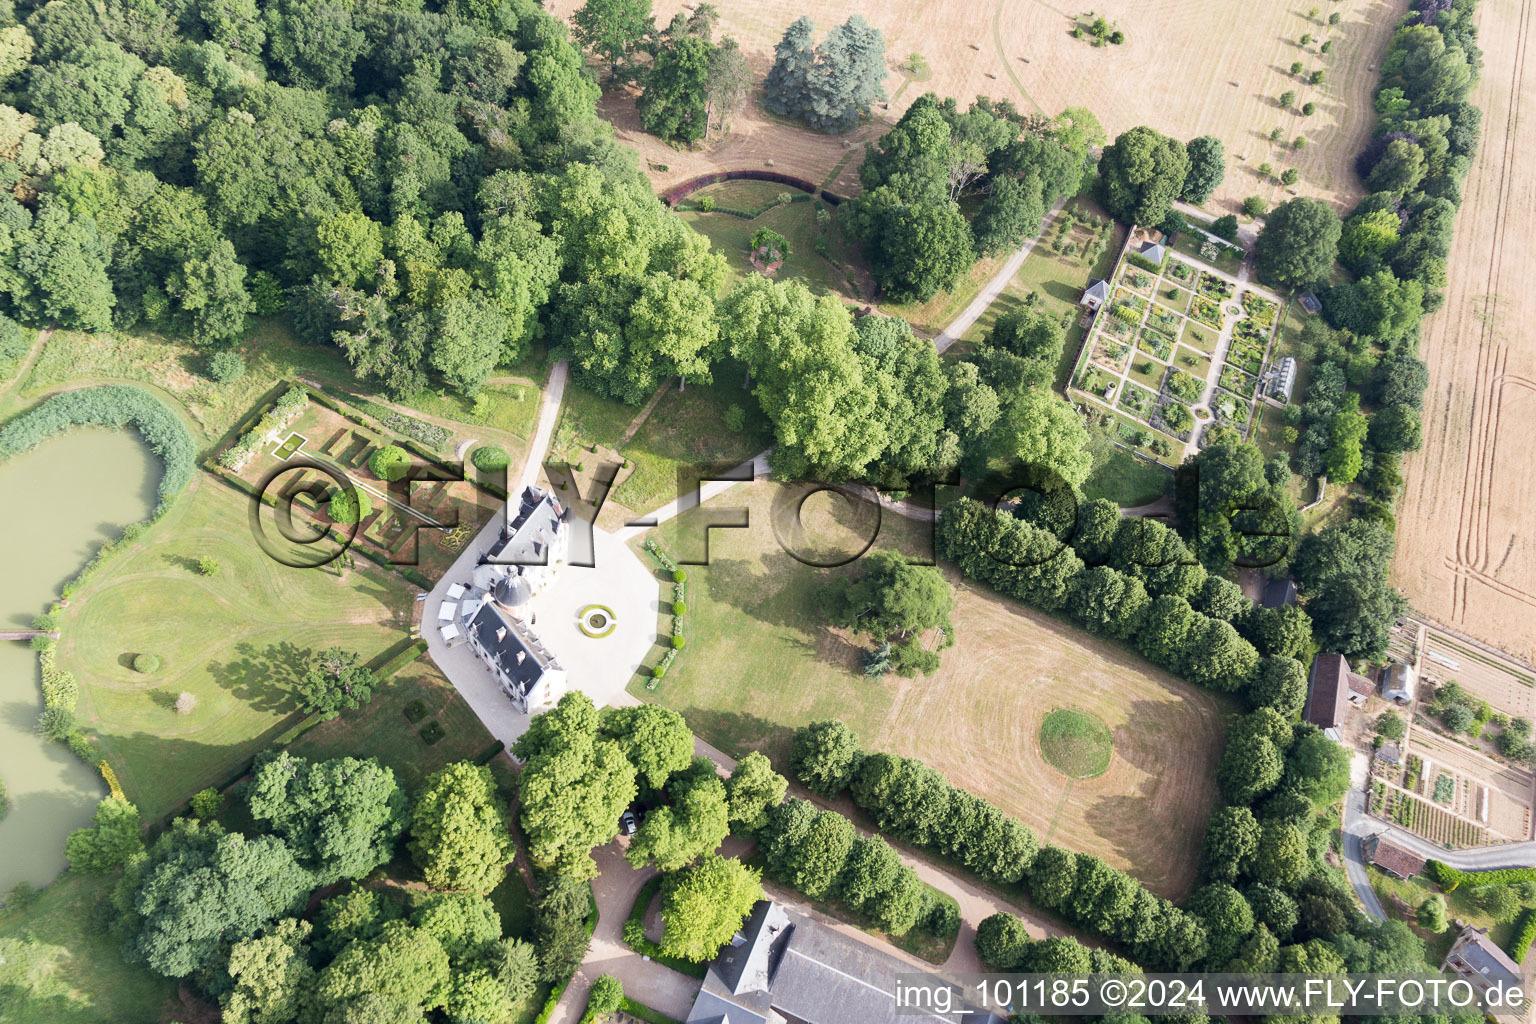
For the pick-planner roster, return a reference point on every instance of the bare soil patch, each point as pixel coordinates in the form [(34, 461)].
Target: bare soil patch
[(1466, 553)]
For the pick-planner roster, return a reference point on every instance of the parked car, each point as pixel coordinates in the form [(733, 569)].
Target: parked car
[(628, 823)]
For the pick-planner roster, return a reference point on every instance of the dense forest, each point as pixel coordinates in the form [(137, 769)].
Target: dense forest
[(426, 186)]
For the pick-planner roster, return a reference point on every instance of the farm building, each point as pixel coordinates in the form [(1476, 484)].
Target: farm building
[(1399, 683), (1477, 958), (1390, 857), (1095, 295), (1329, 693)]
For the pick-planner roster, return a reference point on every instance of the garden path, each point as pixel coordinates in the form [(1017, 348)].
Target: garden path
[(993, 288), (554, 393)]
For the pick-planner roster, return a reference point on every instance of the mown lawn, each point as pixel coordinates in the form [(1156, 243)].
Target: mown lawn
[(237, 642), (587, 418), (731, 235), (272, 353), (59, 964), (1459, 906), (762, 659), (687, 433), (381, 729), (1057, 281), (1126, 480)]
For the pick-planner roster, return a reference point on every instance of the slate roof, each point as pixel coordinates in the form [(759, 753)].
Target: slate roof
[(1154, 251), (1328, 691), (1475, 953), (785, 966), (1097, 290), (503, 642), (528, 537), (1279, 593)]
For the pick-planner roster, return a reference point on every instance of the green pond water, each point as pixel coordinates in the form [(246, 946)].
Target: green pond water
[(57, 504)]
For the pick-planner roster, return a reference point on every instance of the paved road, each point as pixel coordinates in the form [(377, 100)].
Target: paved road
[(1356, 827), (993, 288)]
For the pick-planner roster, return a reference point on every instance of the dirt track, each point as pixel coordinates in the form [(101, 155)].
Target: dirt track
[(1466, 549), (1187, 68)]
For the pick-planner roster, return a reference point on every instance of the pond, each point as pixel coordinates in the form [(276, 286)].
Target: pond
[(57, 504)]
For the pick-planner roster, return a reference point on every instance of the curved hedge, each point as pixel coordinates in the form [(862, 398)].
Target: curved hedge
[(692, 185), (114, 406)]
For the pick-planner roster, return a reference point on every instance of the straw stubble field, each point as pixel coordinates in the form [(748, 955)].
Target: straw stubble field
[(1466, 553)]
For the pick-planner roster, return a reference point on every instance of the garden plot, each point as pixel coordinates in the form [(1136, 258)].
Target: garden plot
[(1192, 361), (1502, 683), (1155, 343), (1199, 337), (1147, 372), (1173, 417), (1238, 382), (1217, 289), (1110, 352), (1137, 400), (1180, 272), (1186, 387), (1247, 348), (1495, 795), (1096, 382), (1137, 279), (1260, 310), (1231, 410), (1425, 818), (1207, 311), (1164, 320)]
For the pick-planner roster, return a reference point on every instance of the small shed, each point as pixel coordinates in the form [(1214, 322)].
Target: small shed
[(1399, 683), (1154, 251), (1279, 593), (1391, 858), (1095, 295)]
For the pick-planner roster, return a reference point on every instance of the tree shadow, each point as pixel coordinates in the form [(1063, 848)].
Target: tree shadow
[(1061, 290), (182, 562), (164, 699), (738, 733), (269, 679)]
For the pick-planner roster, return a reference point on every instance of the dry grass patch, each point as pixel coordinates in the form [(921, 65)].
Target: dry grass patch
[(761, 662)]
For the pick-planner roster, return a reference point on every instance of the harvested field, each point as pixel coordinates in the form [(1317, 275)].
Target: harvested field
[(1187, 68), (761, 661), (1466, 553)]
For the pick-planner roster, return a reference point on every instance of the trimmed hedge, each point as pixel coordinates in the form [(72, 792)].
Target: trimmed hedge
[(1525, 933), (401, 660), (634, 934), (1449, 878), (114, 406), (645, 1013), (679, 192)]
